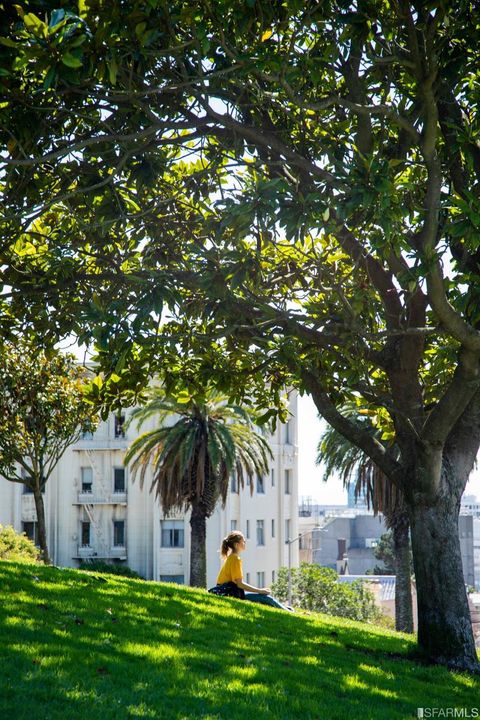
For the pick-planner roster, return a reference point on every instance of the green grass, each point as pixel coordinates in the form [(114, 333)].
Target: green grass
[(78, 646)]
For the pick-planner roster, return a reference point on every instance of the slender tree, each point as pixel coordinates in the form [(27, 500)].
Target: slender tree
[(43, 410), (340, 456), (195, 447)]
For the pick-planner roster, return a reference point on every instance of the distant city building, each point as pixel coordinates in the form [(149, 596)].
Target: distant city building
[(476, 551), (94, 510), (362, 533), (471, 506), (360, 502)]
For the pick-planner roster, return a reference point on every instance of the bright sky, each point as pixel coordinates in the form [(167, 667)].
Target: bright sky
[(311, 482)]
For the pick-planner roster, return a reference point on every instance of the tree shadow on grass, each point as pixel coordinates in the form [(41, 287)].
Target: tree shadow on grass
[(80, 648)]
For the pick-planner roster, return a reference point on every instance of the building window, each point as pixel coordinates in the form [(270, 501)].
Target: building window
[(288, 433), (178, 579), (260, 485), (272, 475), (233, 483), (119, 426), (247, 533), (119, 533), (260, 533), (87, 435), (119, 480), (172, 533), (87, 479), (288, 489), (248, 578), (31, 531), (273, 528), (273, 575), (26, 489), (85, 534), (287, 530), (261, 579), (233, 525)]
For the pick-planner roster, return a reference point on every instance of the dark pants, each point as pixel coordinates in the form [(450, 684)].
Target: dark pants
[(264, 600)]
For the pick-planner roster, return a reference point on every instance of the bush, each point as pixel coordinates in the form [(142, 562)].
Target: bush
[(317, 588), (16, 546), (112, 568)]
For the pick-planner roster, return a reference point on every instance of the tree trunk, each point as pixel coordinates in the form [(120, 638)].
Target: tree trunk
[(445, 633), (198, 555), (42, 532), (403, 585)]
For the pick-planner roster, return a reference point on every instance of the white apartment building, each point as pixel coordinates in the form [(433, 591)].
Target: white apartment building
[(94, 510), (476, 551)]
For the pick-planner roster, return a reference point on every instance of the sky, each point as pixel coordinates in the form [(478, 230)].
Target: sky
[(311, 482)]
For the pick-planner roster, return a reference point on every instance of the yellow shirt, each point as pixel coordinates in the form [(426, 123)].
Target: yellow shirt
[(231, 569)]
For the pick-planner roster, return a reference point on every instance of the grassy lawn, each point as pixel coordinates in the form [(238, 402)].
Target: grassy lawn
[(81, 646)]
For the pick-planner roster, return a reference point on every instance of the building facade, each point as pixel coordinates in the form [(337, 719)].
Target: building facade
[(361, 533), (95, 511)]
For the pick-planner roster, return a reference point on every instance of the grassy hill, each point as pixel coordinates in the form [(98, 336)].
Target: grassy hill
[(81, 646)]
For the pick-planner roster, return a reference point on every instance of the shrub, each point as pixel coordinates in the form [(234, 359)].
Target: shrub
[(101, 566), (16, 546), (317, 588)]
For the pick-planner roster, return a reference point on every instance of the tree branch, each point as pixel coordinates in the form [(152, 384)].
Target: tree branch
[(381, 278), (463, 386), (448, 316), (352, 431), (263, 139)]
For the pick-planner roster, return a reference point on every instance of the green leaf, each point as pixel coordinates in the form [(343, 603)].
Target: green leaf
[(71, 61), (112, 70), (183, 397), (56, 17), (8, 42), (35, 25), (49, 78)]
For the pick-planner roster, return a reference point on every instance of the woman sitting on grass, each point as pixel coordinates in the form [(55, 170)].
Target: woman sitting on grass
[(230, 578)]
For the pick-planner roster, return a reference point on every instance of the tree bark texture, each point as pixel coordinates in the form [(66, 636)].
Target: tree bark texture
[(198, 556), (445, 633), (403, 585), (42, 531)]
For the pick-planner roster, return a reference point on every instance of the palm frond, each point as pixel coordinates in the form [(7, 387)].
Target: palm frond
[(341, 457), (192, 458)]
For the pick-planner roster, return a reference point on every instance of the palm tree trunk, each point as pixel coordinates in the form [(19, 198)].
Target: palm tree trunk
[(198, 554)]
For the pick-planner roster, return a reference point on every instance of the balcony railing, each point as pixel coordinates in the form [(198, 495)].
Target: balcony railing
[(90, 552), (91, 498)]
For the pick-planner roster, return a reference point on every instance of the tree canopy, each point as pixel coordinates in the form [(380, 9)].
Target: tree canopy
[(293, 177), (43, 410)]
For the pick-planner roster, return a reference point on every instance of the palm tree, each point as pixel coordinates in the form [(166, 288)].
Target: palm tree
[(194, 456), (340, 456)]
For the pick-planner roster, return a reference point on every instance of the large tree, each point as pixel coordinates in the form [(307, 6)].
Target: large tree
[(43, 410), (196, 446), (300, 180)]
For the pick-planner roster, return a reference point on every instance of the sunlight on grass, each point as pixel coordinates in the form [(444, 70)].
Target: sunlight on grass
[(108, 648)]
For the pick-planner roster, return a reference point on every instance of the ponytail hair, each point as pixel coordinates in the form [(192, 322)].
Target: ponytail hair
[(228, 542)]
